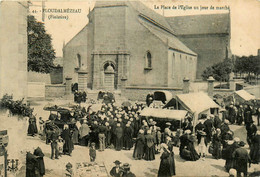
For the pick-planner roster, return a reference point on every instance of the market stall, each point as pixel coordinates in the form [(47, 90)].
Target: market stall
[(161, 116), (196, 104), (242, 96)]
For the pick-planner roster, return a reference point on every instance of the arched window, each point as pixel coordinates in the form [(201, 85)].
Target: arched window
[(79, 60), (148, 60)]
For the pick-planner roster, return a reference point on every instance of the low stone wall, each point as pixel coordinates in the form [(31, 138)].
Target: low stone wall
[(223, 92), (54, 90), (140, 93)]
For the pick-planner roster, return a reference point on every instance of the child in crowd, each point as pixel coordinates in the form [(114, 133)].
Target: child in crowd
[(92, 152), (60, 146)]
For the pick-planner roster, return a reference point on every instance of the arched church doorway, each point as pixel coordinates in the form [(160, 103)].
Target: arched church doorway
[(109, 76)]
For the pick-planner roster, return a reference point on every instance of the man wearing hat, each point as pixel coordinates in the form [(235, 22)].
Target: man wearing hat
[(127, 172), (232, 114), (241, 158), (116, 171)]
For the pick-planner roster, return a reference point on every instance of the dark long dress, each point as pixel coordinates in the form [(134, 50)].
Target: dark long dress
[(139, 147), (217, 146), (40, 167), (31, 163), (149, 153), (228, 155), (68, 145), (32, 128), (118, 138), (190, 147), (255, 149), (164, 169), (128, 139)]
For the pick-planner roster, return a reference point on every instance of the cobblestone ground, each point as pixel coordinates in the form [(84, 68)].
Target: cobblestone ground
[(20, 143)]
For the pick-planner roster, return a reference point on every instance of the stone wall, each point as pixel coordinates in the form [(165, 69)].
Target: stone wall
[(54, 91), (140, 93), (39, 77), (211, 49), (13, 48)]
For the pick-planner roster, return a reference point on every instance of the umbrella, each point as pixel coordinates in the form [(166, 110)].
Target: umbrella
[(126, 104), (50, 107)]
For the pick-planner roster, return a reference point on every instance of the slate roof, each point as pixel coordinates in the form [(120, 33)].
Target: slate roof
[(169, 39), (151, 14), (200, 24)]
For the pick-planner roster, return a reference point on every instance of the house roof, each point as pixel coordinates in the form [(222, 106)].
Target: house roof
[(212, 24), (196, 102)]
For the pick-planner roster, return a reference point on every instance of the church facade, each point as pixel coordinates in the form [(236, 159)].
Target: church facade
[(127, 44)]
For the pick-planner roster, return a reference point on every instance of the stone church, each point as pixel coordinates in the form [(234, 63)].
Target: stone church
[(126, 44)]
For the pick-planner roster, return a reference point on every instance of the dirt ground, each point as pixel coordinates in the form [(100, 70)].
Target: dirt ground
[(20, 143)]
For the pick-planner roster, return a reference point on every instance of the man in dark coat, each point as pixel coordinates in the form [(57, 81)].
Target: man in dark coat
[(241, 158), (208, 127), (255, 148), (116, 171), (199, 127), (232, 114), (119, 137), (240, 115), (251, 131), (217, 122), (247, 114), (31, 163)]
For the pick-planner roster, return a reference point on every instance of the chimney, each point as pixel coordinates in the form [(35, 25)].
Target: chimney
[(210, 86), (186, 85)]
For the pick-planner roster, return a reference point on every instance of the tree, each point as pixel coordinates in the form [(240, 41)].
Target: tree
[(219, 71), (40, 51)]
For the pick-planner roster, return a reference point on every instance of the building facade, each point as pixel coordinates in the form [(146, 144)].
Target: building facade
[(126, 44), (13, 49)]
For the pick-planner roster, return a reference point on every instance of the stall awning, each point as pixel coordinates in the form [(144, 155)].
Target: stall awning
[(244, 95), (164, 113), (196, 102), (162, 95)]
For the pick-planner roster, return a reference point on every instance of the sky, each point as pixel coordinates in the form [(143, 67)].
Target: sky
[(245, 15)]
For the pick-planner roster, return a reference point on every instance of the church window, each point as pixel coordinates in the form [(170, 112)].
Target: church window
[(148, 59), (79, 60), (173, 64)]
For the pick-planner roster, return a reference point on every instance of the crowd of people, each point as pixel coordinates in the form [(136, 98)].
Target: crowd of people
[(123, 128)]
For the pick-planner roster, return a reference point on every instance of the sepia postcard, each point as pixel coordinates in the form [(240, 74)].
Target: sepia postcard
[(129, 88)]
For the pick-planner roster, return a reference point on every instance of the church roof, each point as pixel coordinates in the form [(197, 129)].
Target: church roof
[(142, 9), (200, 24), (150, 14), (172, 41)]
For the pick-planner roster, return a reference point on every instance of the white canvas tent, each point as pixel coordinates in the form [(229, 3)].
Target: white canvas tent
[(242, 96), (196, 103), (164, 113)]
